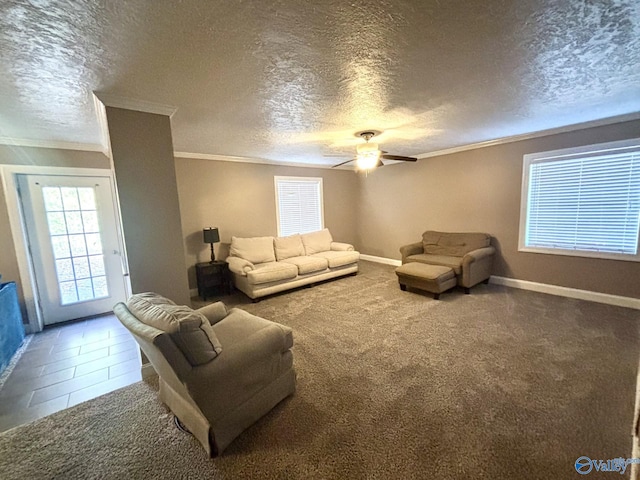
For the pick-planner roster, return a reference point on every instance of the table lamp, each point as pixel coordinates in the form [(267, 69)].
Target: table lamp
[(211, 235)]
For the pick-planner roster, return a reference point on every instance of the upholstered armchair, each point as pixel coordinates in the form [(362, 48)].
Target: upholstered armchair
[(219, 371), (470, 255)]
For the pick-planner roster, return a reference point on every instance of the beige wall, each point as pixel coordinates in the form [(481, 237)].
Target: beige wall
[(239, 199), (142, 152), (34, 157), (474, 190), (479, 190)]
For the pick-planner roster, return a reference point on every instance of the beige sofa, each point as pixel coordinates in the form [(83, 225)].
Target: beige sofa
[(266, 265), (469, 255), (219, 370)]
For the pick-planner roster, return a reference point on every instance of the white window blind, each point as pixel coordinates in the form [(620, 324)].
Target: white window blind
[(587, 203), (299, 205)]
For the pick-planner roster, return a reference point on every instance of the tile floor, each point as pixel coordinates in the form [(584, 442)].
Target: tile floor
[(66, 365)]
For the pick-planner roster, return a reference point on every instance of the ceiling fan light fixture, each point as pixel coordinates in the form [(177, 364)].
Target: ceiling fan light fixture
[(367, 149), (367, 154), (367, 161)]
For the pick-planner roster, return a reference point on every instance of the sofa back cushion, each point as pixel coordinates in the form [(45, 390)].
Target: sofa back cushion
[(454, 244), (288, 247), (253, 249), (190, 331), (316, 242)]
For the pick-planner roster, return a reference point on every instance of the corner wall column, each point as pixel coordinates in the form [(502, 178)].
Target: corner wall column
[(144, 166)]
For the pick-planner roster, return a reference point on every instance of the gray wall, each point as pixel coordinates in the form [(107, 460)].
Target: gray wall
[(35, 157), (239, 199), (144, 166), (474, 190), (479, 190)]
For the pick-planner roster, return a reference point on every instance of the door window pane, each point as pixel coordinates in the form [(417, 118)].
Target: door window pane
[(81, 267), (97, 265), (85, 289), (52, 198), (60, 246), (94, 243), (90, 221), (68, 293), (74, 232), (70, 198), (87, 198), (64, 268), (74, 222), (57, 224), (78, 245)]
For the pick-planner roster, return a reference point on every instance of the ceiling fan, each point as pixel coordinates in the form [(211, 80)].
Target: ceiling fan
[(369, 156)]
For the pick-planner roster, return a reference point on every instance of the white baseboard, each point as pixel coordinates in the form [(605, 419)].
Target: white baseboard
[(616, 300), (568, 292), (386, 261)]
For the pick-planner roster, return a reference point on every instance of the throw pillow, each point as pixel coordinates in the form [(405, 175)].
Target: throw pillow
[(288, 247), (253, 249), (190, 331), (316, 242)]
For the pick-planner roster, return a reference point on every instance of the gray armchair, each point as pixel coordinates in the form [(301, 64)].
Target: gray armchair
[(469, 255), (219, 371)]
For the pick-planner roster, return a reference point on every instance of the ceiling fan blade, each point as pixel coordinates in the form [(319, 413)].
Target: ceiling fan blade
[(343, 163), (379, 164), (399, 157)]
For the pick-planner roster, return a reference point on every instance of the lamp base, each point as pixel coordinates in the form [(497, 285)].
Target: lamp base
[(213, 256)]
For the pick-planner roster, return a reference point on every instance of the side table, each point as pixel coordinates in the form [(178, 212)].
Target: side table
[(213, 277)]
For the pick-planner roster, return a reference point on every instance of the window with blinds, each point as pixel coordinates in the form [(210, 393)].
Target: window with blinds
[(583, 202), (299, 205)]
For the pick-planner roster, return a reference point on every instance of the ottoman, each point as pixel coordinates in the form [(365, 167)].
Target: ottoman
[(431, 278)]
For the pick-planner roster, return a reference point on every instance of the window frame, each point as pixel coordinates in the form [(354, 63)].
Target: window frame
[(564, 154), (316, 180)]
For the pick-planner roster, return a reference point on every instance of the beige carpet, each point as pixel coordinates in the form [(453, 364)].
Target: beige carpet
[(499, 384)]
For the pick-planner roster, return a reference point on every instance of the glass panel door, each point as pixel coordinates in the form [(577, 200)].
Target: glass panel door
[(74, 244)]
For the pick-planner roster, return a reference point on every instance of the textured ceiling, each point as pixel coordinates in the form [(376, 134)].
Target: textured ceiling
[(287, 81)]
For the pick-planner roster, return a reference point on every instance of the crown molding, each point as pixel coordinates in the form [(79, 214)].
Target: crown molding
[(27, 142), (117, 101), (528, 136), (232, 158)]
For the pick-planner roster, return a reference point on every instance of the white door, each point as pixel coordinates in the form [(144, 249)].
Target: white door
[(74, 245)]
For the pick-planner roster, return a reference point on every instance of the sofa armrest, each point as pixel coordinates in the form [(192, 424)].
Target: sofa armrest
[(411, 249), (240, 265), (476, 266), (479, 254), (341, 247), (214, 312)]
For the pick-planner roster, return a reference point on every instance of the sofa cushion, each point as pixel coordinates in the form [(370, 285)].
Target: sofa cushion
[(253, 249), (287, 247), (443, 260), (339, 259), (308, 264), (271, 272), (454, 244), (316, 242), (190, 330)]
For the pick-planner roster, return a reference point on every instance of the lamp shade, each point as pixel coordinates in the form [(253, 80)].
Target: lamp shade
[(210, 235)]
